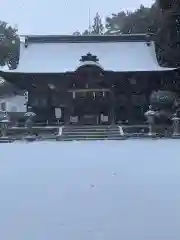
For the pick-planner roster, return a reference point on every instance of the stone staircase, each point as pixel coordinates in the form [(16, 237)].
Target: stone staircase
[(89, 132)]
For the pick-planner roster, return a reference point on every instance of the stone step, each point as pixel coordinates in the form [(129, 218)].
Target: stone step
[(89, 127), (92, 126), (92, 135), (91, 139), (90, 132), (79, 138), (95, 132)]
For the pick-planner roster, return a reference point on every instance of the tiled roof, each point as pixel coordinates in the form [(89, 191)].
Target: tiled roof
[(58, 54)]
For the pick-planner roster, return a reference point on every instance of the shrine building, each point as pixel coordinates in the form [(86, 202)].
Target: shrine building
[(90, 79)]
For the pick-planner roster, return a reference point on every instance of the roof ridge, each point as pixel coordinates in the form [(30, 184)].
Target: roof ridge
[(88, 38)]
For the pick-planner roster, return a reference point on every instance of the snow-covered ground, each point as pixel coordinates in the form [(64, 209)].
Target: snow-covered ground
[(127, 190)]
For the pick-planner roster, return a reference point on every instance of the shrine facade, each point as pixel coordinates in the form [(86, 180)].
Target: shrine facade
[(90, 79)]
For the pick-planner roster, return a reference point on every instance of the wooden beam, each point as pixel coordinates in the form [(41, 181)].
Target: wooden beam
[(90, 90)]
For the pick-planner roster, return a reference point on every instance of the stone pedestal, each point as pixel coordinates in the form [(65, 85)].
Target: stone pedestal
[(30, 138), (150, 115), (176, 126), (4, 128), (29, 123), (4, 124)]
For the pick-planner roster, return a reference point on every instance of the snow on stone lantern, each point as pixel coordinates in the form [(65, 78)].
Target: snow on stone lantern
[(4, 123), (29, 120), (176, 125), (150, 115)]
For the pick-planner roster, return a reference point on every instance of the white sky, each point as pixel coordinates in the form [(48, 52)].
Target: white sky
[(53, 16)]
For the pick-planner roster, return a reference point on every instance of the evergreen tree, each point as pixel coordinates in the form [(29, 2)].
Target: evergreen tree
[(142, 20), (86, 32), (168, 36), (97, 27), (9, 45), (115, 23), (77, 33)]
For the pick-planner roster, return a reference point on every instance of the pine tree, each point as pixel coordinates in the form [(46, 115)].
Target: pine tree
[(86, 32), (168, 35), (76, 33), (97, 27), (9, 45)]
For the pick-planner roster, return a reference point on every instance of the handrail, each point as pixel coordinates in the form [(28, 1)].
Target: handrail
[(121, 132), (60, 131)]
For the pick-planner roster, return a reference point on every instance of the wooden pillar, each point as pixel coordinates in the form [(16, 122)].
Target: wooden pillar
[(68, 108), (66, 115), (112, 105)]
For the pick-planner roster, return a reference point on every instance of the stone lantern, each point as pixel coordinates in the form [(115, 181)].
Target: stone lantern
[(150, 115), (4, 123), (176, 125), (29, 123)]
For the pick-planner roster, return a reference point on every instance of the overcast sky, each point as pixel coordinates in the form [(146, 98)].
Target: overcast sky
[(53, 16)]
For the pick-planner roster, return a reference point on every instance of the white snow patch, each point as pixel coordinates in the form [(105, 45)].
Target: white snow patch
[(113, 56), (90, 190)]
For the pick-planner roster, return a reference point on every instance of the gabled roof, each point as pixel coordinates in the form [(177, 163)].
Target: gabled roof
[(58, 54)]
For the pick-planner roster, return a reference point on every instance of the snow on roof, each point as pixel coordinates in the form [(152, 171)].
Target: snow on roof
[(57, 57)]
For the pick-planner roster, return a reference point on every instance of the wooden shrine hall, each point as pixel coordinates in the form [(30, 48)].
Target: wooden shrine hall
[(90, 79)]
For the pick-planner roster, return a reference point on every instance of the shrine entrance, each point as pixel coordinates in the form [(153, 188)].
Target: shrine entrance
[(91, 107)]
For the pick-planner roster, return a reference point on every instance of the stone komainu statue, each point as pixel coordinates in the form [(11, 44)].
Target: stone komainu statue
[(163, 102), (163, 99)]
